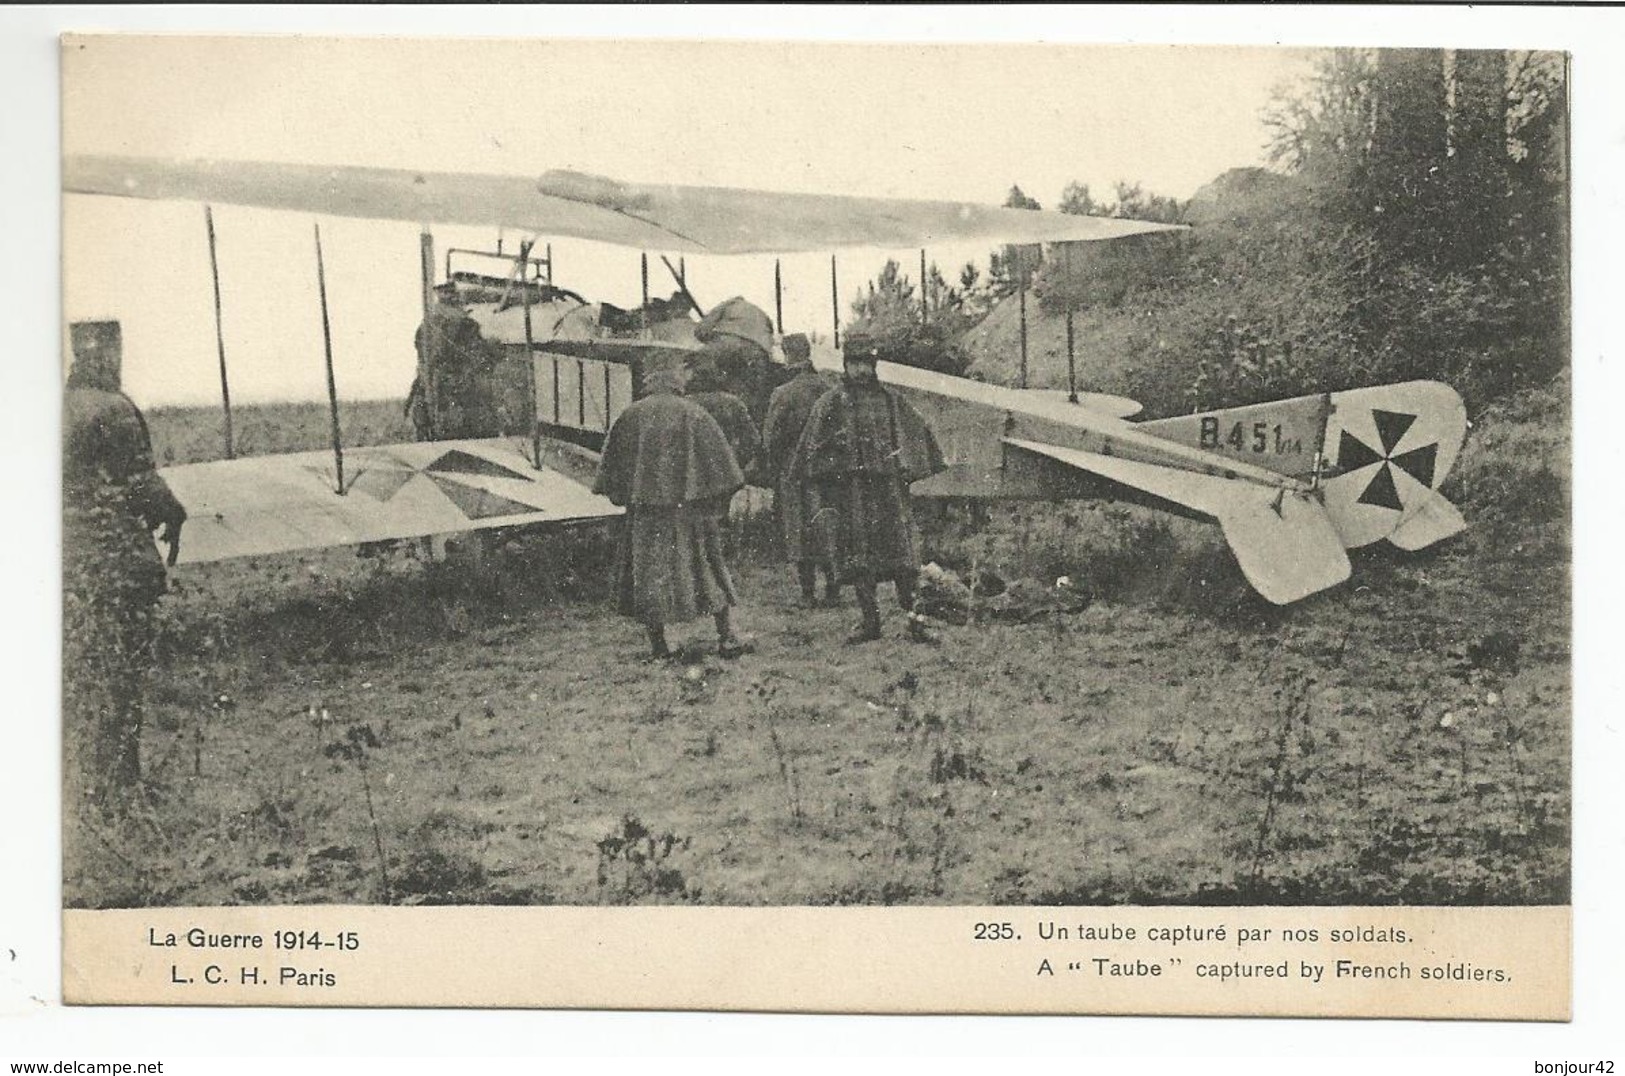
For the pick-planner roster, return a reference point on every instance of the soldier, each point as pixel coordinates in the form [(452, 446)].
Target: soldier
[(738, 337), (462, 368), (795, 500), (708, 388), (112, 501), (668, 464), (863, 446)]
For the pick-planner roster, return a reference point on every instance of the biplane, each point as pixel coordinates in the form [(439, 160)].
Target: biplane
[(1293, 484)]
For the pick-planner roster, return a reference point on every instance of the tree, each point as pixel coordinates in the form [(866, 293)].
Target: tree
[(1102, 273), (1135, 203), (890, 311), (1456, 244), (1012, 266), (1017, 199), (1075, 198)]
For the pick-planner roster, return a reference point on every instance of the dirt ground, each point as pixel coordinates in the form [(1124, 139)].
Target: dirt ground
[(328, 728)]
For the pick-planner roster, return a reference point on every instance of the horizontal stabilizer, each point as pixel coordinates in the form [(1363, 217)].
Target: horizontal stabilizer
[(1287, 548), (1283, 540)]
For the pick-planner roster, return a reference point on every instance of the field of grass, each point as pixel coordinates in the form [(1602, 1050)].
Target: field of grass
[(327, 728)]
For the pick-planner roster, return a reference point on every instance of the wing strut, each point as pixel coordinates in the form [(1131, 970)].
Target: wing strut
[(835, 302), (327, 346), (219, 332), (680, 274), (1021, 292), (1071, 350), (426, 385), (925, 308), (530, 355), (643, 314), (778, 298)]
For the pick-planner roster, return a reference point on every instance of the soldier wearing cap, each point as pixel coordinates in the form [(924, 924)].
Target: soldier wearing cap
[(795, 499), (113, 499), (863, 446)]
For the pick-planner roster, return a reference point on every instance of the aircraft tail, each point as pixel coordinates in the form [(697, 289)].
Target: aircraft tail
[(1386, 451), (1377, 456)]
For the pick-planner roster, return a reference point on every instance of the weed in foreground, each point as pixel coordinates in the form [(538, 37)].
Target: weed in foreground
[(635, 864), (358, 741)]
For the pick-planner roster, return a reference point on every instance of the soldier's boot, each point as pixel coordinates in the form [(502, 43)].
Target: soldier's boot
[(832, 589), (807, 576), (868, 629), (730, 645), (658, 650)]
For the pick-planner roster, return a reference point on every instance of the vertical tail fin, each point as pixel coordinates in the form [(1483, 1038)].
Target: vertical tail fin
[(1386, 451)]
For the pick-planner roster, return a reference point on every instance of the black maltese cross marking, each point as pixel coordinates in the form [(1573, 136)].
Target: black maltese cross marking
[(1353, 453)]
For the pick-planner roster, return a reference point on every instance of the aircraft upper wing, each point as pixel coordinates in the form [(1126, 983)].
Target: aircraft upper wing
[(258, 505), (715, 220)]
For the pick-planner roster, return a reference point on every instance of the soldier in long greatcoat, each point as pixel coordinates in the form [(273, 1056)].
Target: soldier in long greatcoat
[(863, 446), (113, 499), (668, 464), (708, 387), (795, 499)]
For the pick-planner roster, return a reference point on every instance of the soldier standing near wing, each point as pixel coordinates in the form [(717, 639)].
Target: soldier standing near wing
[(863, 446), (795, 500), (708, 388), (112, 501), (668, 464), (462, 366)]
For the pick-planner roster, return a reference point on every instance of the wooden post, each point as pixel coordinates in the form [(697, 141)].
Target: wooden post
[(426, 386), (643, 313), (327, 345), (835, 301), (219, 333)]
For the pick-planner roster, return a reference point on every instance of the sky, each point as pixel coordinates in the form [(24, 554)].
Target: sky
[(959, 122)]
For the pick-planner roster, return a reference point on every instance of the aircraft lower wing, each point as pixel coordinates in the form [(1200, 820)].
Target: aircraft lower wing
[(277, 504), (1283, 540)]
